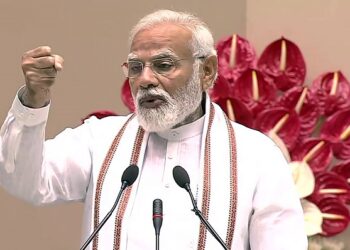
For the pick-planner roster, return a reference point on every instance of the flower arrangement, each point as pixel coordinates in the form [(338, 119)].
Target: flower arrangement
[(310, 123)]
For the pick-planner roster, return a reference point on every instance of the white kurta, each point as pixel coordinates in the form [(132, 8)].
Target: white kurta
[(268, 215)]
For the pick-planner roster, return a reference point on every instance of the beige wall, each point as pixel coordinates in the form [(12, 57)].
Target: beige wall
[(92, 37), (321, 29)]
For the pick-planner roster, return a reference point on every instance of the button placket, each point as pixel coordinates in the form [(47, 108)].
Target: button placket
[(170, 162)]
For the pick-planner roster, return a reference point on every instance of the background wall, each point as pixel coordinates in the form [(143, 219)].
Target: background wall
[(92, 38), (321, 29)]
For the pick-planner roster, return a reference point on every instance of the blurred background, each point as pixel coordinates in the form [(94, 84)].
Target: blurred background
[(92, 36)]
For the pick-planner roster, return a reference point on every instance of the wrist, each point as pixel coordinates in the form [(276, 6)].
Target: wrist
[(34, 99)]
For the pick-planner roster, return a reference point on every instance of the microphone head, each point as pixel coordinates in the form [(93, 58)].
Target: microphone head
[(130, 174), (181, 177), (157, 215), (157, 208)]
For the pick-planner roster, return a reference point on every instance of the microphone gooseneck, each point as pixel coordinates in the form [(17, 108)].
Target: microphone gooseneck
[(183, 180), (128, 178), (157, 218)]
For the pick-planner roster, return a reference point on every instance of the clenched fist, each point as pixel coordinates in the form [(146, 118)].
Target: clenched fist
[(40, 67)]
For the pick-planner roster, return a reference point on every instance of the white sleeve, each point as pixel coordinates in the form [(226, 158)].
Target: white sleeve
[(42, 172), (277, 221)]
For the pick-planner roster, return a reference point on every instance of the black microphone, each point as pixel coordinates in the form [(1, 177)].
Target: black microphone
[(157, 218), (183, 180), (128, 178)]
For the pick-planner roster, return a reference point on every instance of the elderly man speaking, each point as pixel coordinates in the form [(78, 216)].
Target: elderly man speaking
[(239, 178)]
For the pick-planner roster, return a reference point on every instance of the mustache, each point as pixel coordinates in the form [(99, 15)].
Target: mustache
[(142, 93)]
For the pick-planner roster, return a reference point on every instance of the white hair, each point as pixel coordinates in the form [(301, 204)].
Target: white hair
[(202, 43)]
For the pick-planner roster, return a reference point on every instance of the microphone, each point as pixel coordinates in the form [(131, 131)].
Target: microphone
[(128, 178), (157, 218), (183, 180)]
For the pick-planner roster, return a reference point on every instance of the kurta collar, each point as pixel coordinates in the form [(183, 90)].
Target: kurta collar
[(186, 131)]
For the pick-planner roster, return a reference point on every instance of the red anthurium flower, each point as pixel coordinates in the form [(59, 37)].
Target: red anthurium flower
[(336, 127), (332, 91), (335, 215), (283, 61), (316, 152), (127, 97), (282, 121), (330, 184), (221, 89), (235, 55), (303, 102), (343, 169), (337, 130), (254, 91), (100, 114), (342, 150), (236, 111)]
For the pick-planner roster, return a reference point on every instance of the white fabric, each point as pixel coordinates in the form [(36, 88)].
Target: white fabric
[(269, 215), (165, 151)]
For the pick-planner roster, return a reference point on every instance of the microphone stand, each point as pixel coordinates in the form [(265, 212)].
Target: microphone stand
[(100, 225), (157, 218), (157, 241), (203, 220)]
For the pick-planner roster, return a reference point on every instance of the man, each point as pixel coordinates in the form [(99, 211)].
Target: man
[(239, 177)]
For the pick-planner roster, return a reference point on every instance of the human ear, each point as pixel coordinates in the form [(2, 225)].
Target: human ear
[(209, 72)]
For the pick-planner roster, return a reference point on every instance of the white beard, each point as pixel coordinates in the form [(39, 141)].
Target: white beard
[(175, 109)]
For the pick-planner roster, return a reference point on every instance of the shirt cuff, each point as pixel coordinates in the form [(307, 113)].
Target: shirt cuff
[(29, 116)]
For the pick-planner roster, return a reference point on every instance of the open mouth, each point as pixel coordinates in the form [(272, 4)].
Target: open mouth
[(151, 101)]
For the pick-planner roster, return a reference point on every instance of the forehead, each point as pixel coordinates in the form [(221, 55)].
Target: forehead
[(168, 37)]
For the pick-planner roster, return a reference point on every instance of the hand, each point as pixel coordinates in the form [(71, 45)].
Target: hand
[(40, 69)]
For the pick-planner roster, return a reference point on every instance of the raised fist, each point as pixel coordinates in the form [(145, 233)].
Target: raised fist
[(40, 67)]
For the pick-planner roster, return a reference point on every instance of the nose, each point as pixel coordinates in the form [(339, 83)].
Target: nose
[(147, 78)]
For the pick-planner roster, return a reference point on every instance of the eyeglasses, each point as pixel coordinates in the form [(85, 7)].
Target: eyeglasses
[(161, 66)]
